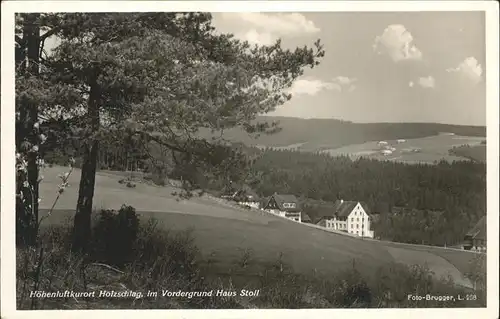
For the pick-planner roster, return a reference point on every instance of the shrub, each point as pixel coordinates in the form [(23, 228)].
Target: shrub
[(162, 253), (158, 259), (114, 236), (130, 185), (156, 174)]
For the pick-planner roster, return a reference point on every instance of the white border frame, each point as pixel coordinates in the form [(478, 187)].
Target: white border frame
[(8, 148)]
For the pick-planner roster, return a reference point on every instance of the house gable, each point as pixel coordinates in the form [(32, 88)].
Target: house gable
[(358, 211), (271, 204)]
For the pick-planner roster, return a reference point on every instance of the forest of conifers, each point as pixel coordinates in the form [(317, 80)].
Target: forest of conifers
[(442, 201)]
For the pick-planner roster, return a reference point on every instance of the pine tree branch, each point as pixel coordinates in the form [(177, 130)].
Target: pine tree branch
[(49, 33)]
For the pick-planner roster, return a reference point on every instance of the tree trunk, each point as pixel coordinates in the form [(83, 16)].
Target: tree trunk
[(27, 214), (82, 222)]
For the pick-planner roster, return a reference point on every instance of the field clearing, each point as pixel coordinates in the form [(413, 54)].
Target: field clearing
[(223, 233), (475, 152), (432, 148)]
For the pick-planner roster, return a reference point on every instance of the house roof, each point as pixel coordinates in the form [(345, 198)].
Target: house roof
[(304, 217), (285, 198), (339, 208), (247, 192), (264, 201), (479, 230), (344, 208), (322, 207)]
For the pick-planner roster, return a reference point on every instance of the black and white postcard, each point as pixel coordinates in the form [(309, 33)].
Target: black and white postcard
[(253, 158)]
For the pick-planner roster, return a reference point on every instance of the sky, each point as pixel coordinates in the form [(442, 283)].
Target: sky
[(379, 67)]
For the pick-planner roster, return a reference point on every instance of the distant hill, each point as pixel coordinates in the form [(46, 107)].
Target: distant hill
[(320, 134)]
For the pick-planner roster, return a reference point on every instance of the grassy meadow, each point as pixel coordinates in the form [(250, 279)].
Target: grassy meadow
[(430, 149), (222, 231), (206, 244)]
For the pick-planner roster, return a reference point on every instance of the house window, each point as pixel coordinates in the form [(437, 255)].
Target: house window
[(357, 225), (288, 205), (357, 219), (352, 219)]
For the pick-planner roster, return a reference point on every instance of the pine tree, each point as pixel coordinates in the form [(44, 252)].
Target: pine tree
[(162, 77)]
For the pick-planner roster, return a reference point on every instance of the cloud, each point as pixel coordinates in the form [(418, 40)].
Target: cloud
[(470, 69), (311, 86), (344, 83), (255, 37), (265, 28), (397, 42), (344, 80), (427, 82), (279, 23)]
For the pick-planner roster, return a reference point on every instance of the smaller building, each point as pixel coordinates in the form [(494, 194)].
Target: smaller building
[(284, 205), (352, 217), (475, 239), (247, 197)]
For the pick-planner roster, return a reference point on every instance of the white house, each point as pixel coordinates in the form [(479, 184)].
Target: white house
[(284, 205), (350, 216)]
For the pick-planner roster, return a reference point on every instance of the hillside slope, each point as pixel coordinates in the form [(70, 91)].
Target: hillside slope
[(319, 134), (223, 232)]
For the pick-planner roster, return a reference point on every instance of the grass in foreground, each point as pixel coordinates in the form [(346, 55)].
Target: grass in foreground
[(128, 256)]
